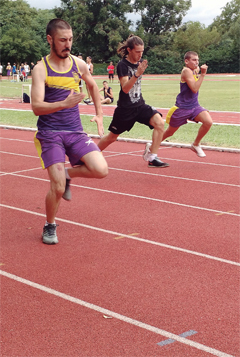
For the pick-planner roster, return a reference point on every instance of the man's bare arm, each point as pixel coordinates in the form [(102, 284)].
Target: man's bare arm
[(187, 76)]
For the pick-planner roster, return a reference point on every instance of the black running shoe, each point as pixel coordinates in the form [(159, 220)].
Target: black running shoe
[(49, 234), (157, 163), (67, 194)]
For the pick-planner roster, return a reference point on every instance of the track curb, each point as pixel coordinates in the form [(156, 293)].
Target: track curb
[(138, 141)]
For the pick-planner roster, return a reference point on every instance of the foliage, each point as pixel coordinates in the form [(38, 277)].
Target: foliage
[(225, 55), (98, 26), (158, 17), (163, 61), (22, 38), (195, 37), (230, 14)]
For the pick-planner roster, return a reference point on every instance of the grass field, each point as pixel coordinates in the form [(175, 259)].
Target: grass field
[(221, 93)]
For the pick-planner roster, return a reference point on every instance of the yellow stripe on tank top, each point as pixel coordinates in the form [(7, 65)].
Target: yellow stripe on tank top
[(66, 83)]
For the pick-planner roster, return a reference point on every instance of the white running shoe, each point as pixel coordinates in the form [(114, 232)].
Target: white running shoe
[(146, 151), (49, 234), (198, 150)]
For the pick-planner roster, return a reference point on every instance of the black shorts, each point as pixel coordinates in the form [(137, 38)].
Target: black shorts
[(125, 118)]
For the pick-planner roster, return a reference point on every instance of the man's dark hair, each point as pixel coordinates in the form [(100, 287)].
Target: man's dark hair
[(56, 24), (131, 42)]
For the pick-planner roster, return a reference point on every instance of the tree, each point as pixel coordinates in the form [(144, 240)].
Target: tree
[(226, 57), (22, 37), (193, 36), (98, 25), (230, 14), (158, 17)]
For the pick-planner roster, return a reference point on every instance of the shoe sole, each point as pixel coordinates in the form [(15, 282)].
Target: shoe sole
[(192, 148), (158, 167), (50, 241), (146, 151)]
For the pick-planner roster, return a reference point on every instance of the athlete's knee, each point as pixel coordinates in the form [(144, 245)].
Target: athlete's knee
[(100, 171), (157, 122), (58, 188), (209, 122)]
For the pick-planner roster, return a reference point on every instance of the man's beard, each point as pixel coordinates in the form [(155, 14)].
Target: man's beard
[(62, 55)]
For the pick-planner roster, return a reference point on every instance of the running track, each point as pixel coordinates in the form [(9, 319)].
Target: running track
[(147, 263)]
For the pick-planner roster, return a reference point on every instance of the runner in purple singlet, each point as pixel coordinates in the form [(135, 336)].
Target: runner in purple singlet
[(187, 106), (55, 97)]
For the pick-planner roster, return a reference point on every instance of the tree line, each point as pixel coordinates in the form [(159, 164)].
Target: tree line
[(99, 25)]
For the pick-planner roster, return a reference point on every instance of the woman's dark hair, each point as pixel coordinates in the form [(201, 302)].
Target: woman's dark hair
[(131, 42)]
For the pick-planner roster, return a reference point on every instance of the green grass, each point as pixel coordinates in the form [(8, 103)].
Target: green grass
[(219, 135), (219, 93), (216, 93)]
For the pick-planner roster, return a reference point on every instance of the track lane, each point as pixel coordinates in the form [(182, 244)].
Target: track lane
[(165, 288)]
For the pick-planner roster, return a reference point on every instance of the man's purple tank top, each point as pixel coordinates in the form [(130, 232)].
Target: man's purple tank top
[(57, 87), (187, 99)]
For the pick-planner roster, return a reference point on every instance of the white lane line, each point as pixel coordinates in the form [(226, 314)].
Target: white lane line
[(133, 153), (174, 177), (117, 316), (144, 173), (117, 234), (134, 196)]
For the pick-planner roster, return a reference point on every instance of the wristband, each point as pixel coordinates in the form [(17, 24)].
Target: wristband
[(135, 75)]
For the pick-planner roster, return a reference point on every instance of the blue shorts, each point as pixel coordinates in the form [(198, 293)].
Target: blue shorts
[(53, 146), (179, 116)]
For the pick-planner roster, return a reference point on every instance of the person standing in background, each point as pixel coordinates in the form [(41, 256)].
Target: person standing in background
[(110, 70), (90, 67), (8, 68)]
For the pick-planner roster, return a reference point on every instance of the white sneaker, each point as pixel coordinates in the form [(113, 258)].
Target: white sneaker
[(49, 234), (198, 150), (146, 151)]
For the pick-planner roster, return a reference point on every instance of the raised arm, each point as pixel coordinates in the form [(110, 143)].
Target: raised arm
[(127, 83), (187, 76)]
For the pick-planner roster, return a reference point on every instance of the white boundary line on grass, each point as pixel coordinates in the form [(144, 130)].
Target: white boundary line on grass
[(116, 315)]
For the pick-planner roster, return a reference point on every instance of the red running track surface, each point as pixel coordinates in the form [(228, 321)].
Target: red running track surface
[(144, 256)]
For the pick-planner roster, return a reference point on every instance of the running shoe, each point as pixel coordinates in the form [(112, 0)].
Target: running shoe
[(67, 194), (49, 234), (198, 150), (87, 101), (146, 151), (157, 163)]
